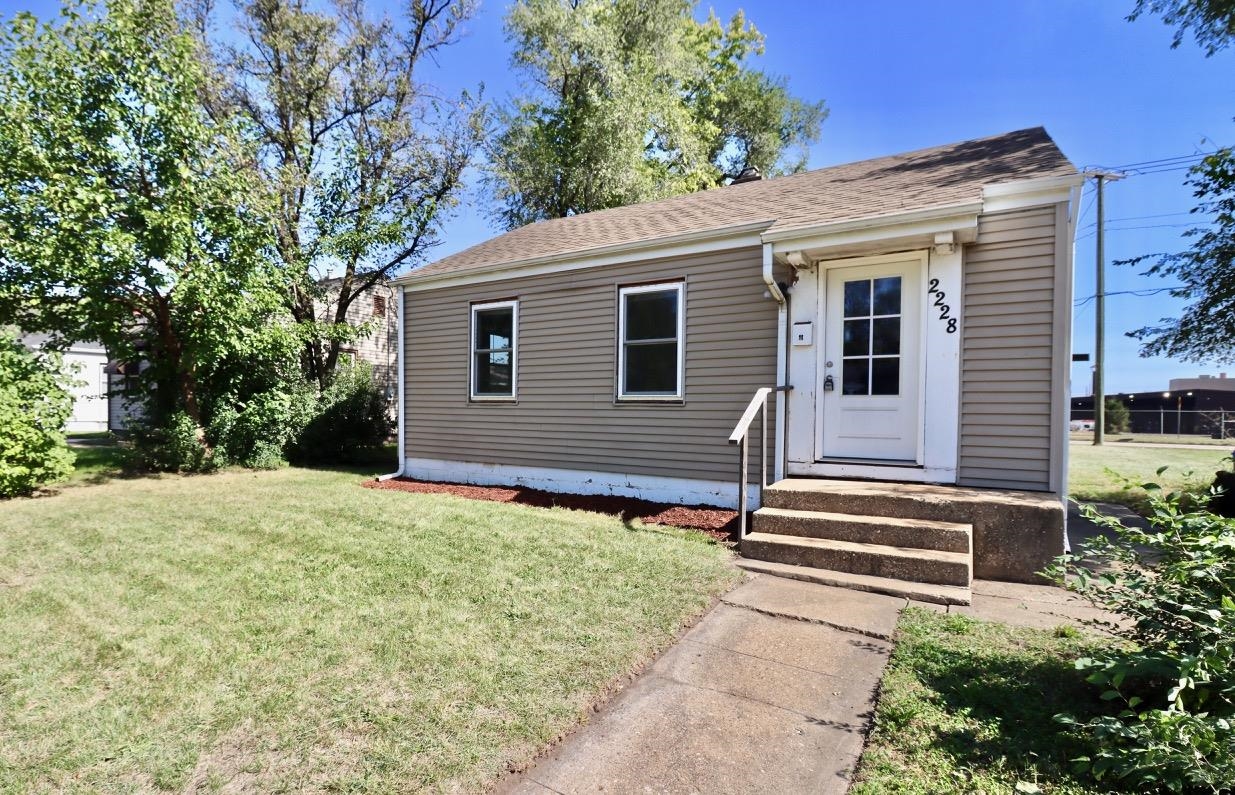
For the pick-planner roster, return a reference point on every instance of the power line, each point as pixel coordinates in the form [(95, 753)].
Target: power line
[(1144, 217), (1138, 293), (1142, 226)]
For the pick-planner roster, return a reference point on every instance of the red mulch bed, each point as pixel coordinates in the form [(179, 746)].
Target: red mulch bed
[(719, 523)]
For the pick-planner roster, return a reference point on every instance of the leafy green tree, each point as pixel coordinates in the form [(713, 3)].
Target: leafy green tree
[(629, 100), (126, 215), (1117, 416), (360, 159), (35, 404), (1212, 22), (1205, 273)]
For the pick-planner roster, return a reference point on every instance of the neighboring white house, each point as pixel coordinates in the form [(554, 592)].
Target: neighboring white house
[(87, 363)]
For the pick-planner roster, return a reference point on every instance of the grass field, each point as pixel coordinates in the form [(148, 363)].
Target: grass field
[(1090, 468), (968, 706), (289, 630)]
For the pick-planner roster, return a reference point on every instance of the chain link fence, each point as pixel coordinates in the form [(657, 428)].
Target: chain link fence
[(1170, 424)]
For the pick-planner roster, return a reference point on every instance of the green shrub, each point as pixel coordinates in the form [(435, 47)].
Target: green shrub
[(349, 421), (256, 433), (1116, 416), (174, 445), (1171, 686), (35, 404)]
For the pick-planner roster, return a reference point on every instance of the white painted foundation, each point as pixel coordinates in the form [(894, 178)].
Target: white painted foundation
[(682, 491)]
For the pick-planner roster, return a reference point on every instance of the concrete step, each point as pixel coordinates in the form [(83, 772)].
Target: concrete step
[(876, 560), (918, 591), (887, 531), (905, 500)]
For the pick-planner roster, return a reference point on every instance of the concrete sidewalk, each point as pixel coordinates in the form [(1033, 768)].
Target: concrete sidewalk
[(772, 691), (764, 694)]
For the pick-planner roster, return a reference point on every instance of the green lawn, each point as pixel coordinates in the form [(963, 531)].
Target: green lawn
[(967, 706), (1155, 438), (290, 630), (1089, 480)]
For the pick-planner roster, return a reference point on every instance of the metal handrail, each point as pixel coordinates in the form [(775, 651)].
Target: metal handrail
[(741, 436)]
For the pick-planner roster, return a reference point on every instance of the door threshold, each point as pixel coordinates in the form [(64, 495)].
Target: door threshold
[(872, 462)]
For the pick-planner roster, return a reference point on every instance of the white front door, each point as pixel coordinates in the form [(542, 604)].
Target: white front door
[(870, 362)]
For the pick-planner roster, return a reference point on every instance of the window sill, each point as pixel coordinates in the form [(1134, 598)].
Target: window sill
[(473, 399), (650, 400)]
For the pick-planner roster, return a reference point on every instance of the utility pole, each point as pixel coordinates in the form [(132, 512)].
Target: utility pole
[(1099, 394), (1099, 363)]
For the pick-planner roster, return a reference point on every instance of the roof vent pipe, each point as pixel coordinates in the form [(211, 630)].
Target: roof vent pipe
[(749, 174)]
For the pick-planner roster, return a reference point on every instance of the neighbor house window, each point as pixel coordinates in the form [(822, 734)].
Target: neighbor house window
[(651, 332), (494, 350)]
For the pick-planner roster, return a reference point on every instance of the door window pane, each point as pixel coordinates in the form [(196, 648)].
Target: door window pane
[(887, 296), (855, 377), (871, 344), (858, 298), (857, 338), (886, 376), (651, 323), (886, 339)]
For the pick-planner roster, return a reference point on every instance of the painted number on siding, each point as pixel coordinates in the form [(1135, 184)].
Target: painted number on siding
[(945, 311)]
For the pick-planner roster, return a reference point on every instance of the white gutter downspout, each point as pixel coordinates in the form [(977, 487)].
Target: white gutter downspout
[(1074, 210), (782, 330), (400, 377)]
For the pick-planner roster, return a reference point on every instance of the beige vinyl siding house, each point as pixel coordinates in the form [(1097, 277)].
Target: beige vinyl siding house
[(567, 413), (1009, 385), (907, 319)]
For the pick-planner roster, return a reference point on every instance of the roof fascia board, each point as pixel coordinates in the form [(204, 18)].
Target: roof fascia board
[(738, 236), (887, 229), (873, 222), (1029, 193)]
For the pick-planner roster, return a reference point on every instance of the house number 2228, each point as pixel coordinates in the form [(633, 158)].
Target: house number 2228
[(945, 311)]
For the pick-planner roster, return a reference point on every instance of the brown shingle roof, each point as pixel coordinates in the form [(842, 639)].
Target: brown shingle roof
[(935, 177)]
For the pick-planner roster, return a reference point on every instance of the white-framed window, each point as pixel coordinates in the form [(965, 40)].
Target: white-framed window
[(493, 371), (651, 342)]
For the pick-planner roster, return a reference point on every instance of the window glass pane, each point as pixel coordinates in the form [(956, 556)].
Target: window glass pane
[(492, 372), (857, 298), (854, 376), (652, 316), (857, 338), (886, 376), (888, 296), (652, 369), (494, 328), (887, 336)]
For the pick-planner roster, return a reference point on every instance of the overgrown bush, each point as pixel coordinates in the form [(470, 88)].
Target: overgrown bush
[(173, 445), (256, 434), (349, 422), (35, 404), (1222, 499), (1171, 686), (292, 420)]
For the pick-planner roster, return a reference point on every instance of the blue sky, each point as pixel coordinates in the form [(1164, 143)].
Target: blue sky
[(904, 75)]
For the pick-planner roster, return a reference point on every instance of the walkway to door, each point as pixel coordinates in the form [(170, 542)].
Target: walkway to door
[(772, 691)]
